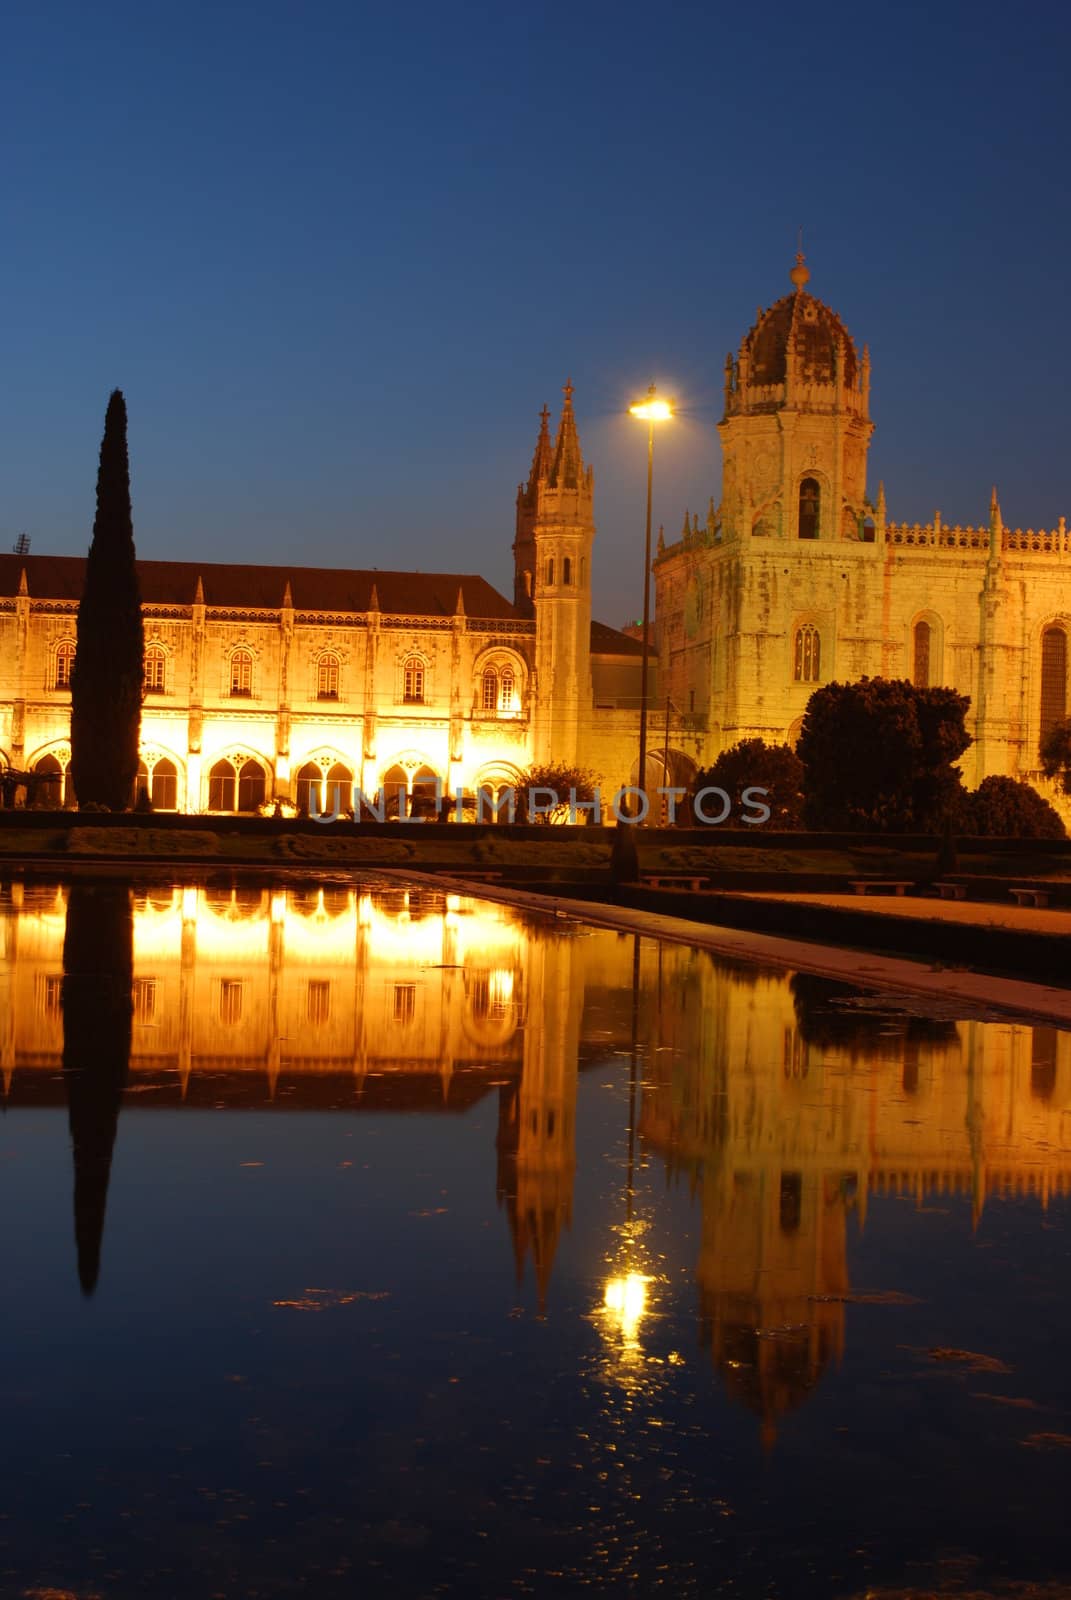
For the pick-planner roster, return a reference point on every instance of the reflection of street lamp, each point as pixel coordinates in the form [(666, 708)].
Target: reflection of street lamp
[(649, 410)]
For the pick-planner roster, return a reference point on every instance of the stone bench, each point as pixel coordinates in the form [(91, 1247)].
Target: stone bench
[(672, 880), (1026, 896), (864, 885), (951, 891)]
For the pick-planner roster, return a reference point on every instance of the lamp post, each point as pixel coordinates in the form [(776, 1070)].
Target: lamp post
[(649, 410)]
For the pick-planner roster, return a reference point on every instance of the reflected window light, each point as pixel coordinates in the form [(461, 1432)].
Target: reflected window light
[(230, 999), (144, 999), (319, 1000), (404, 1002)]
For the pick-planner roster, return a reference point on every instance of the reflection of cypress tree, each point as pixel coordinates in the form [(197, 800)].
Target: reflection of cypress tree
[(98, 965)]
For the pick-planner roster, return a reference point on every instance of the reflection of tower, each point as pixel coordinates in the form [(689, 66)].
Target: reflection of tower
[(536, 1126), (773, 1252), (98, 968)]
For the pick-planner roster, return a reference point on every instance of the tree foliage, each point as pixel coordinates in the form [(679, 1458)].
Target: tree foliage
[(1056, 754), (106, 684), (878, 756), (754, 764), (1009, 807), (563, 781)]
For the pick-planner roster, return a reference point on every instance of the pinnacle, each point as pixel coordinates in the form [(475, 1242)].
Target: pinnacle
[(567, 468)]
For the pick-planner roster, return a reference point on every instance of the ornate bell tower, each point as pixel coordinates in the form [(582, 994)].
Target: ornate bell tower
[(797, 426), (552, 582)]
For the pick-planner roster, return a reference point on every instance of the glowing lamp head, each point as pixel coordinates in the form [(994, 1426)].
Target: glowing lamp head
[(652, 409)]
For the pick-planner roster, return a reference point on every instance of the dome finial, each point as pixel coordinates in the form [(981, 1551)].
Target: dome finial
[(800, 273)]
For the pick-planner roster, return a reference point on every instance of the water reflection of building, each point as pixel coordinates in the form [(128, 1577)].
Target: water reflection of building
[(332, 997), (786, 1108)]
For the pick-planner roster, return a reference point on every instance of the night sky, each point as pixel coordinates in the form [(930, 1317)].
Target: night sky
[(338, 255)]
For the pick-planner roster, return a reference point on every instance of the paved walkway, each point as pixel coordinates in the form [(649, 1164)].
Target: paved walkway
[(975, 913), (979, 993)]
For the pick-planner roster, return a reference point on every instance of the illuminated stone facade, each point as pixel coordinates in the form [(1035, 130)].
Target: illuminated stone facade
[(799, 578), (276, 683)]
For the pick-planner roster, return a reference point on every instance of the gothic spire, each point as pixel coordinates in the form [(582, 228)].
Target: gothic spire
[(541, 461), (567, 468)]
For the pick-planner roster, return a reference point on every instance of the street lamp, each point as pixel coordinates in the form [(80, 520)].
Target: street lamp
[(649, 410)]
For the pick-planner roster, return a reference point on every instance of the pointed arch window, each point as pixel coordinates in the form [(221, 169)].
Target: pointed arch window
[(550, 571), (164, 788), (327, 677), (810, 508), (64, 665), (567, 569), (1053, 678), (920, 673), (413, 681), (251, 786), (808, 654), (241, 673), (155, 669), (221, 787), (490, 690)]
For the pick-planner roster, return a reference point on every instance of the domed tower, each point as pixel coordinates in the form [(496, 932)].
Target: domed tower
[(796, 426)]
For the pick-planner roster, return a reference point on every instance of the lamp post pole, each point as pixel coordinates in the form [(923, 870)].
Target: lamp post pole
[(644, 803), (650, 410)]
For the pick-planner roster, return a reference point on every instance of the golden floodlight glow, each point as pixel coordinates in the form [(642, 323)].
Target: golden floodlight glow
[(625, 1299), (652, 410)]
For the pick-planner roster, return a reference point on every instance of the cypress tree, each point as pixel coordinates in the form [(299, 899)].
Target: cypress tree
[(109, 660)]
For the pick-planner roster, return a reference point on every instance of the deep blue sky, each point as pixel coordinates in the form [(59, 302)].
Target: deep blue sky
[(338, 256)]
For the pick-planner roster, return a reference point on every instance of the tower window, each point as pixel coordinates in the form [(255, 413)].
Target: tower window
[(550, 571), (327, 678), (810, 505), (64, 665), (506, 690), (920, 676), (490, 690), (155, 669), (1053, 678), (808, 664), (241, 673), (567, 569), (413, 685)]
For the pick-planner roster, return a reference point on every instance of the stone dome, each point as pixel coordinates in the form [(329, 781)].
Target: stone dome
[(810, 327)]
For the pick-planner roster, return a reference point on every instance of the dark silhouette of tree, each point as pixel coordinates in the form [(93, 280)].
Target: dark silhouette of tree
[(106, 685), (98, 964), (1006, 806), (878, 756), (562, 781), (1055, 753), (754, 764)]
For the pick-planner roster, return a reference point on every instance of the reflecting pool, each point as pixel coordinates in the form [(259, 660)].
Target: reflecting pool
[(375, 1241)]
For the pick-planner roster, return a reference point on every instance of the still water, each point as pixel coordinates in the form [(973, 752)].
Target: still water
[(399, 1244)]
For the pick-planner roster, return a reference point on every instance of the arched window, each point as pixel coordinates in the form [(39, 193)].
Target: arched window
[(567, 569), (155, 669), (550, 571), (395, 793), (425, 795), (64, 665), (250, 786), (50, 792), (810, 505), (490, 690), (413, 686), (241, 673), (1053, 678), (327, 678), (808, 664), (307, 780), (339, 786), (164, 786), (506, 690), (920, 672), (869, 533), (221, 787)]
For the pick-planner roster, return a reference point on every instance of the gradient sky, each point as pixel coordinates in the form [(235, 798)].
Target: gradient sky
[(338, 255)]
